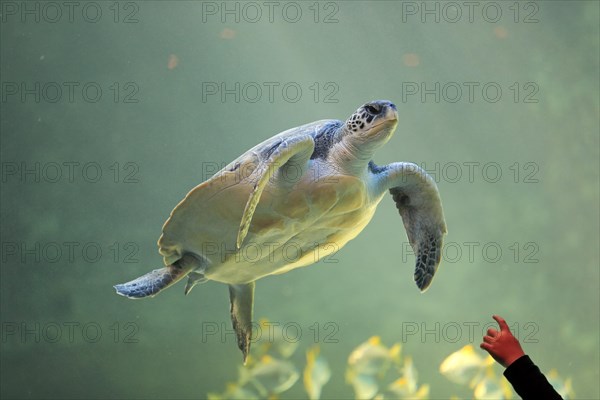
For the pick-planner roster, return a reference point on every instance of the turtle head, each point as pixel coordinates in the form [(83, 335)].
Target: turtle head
[(367, 129), (373, 123)]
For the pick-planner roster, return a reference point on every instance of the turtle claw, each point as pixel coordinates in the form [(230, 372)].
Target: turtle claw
[(193, 279), (244, 344)]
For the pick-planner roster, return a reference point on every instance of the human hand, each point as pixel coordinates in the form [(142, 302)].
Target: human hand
[(502, 345)]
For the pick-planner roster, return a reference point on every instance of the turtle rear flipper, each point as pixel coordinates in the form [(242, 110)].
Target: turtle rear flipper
[(242, 304), (153, 282)]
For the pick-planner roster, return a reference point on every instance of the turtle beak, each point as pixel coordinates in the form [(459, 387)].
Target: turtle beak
[(392, 112), (385, 118), (382, 110)]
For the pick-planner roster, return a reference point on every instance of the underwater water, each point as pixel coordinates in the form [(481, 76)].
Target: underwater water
[(112, 111)]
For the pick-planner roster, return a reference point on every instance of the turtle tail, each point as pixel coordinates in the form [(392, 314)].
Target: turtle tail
[(153, 282)]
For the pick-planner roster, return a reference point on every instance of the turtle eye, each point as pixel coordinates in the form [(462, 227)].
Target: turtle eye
[(373, 109)]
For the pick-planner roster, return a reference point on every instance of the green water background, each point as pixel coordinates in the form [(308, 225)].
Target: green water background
[(545, 203)]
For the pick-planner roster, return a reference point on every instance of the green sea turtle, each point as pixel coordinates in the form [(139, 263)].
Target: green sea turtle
[(290, 201)]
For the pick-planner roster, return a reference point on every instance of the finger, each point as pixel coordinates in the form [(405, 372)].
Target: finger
[(501, 323), (486, 346), (489, 339), (492, 332)]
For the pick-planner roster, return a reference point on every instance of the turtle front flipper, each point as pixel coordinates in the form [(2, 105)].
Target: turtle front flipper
[(152, 283), (418, 201), (242, 304), (294, 151)]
